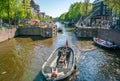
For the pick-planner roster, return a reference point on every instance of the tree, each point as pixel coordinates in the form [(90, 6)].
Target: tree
[(114, 5), (73, 13), (2, 10), (13, 10), (85, 8), (62, 17), (76, 10), (27, 8)]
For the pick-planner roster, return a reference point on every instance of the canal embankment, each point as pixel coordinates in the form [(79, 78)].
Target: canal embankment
[(104, 33), (44, 30), (35, 31), (7, 33), (109, 35)]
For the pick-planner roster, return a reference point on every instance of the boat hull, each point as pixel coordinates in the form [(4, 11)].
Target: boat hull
[(63, 72), (60, 30), (103, 44)]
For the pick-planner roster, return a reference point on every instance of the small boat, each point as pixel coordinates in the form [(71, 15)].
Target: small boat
[(62, 22), (60, 64), (104, 43), (60, 30)]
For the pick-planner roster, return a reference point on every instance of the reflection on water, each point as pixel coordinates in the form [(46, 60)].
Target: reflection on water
[(21, 58)]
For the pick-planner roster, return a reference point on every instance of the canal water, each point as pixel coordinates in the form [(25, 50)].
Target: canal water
[(21, 58)]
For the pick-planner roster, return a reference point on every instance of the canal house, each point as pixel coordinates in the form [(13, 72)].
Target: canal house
[(35, 7), (101, 14)]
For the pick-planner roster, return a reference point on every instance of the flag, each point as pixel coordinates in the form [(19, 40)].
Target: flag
[(66, 42)]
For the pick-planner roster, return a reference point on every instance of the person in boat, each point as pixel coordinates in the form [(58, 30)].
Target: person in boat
[(62, 60), (65, 56), (64, 52), (54, 73), (59, 55), (98, 39), (68, 54)]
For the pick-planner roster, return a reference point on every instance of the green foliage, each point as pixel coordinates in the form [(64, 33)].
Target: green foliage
[(62, 17), (11, 10), (2, 8), (45, 18), (26, 9), (85, 9), (114, 5), (77, 10), (74, 10)]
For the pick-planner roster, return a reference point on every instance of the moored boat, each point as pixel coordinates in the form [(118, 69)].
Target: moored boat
[(62, 22), (60, 64), (104, 43), (60, 30)]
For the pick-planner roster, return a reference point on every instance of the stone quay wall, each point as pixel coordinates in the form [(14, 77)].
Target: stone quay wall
[(85, 32), (109, 35), (6, 33), (106, 34), (44, 32), (29, 31)]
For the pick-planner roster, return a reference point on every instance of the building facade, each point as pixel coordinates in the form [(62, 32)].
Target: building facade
[(101, 14), (35, 7)]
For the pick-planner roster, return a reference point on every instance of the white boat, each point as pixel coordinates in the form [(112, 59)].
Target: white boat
[(61, 64), (104, 43)]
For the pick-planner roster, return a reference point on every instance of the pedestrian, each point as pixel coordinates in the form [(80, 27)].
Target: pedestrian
[(54, 73)]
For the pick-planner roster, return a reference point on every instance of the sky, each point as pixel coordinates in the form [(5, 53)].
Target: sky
[(55, 8)]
